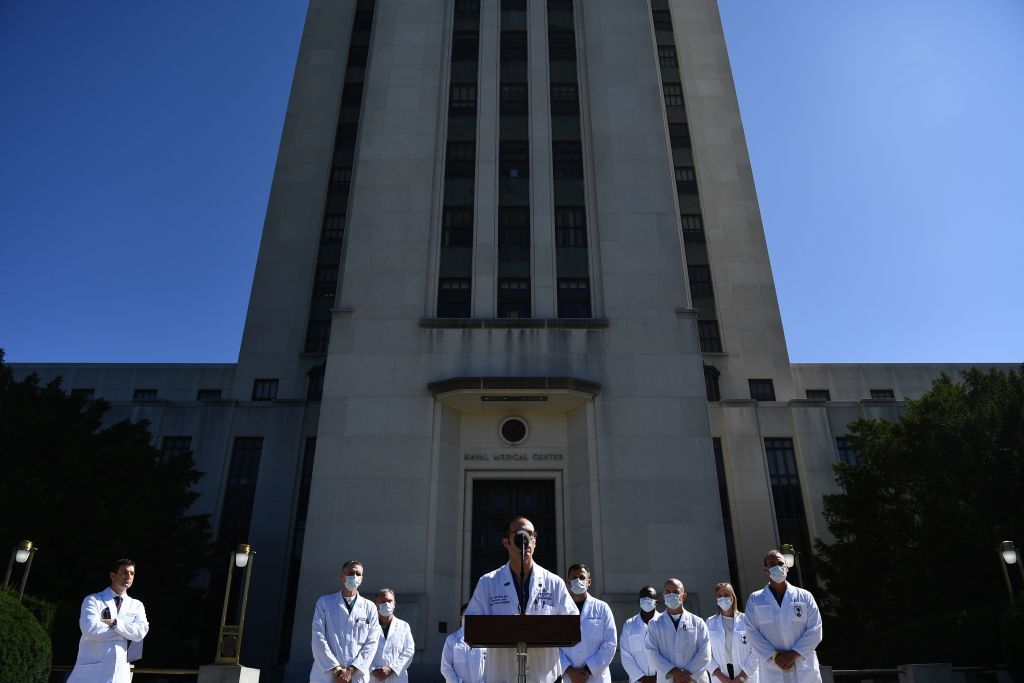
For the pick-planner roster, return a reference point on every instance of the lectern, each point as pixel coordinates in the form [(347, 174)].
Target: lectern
[(522, 632)]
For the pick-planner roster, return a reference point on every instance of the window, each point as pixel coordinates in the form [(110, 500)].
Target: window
[(463, 100), (883, 394), (87, 394), (568, 160), (363, 21), (686, 180), (334, 227), (513, 298), (573, 298), (513, 5), (513, 227), (570, 226), (513, 46), (357, 55), (298, 538), (662, 20), (460, 162), (315, 383), (710, 342), (723, 497), (243, 471), (673, 94), (514, 160), (318, 336), (208, 395), (845, 452), (762, 389), (679, 135), (174, 447), (787, 497), (352, 95), (467, 7), (346, 137), (693, 228), (561, 46), (700, 280), (465, 46), (457, 226), (559, 5), (326, 281), (711, 375), (514, 99), (341, 178), (144, 394), (565, 99), (264, 389), (453, 298), (667, 55), (819, 395)]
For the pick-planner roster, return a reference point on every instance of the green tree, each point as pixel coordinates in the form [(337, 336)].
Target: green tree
[(86, 495), (913, 573)]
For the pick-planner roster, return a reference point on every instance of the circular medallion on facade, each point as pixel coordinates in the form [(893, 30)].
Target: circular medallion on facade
[(513, 430)]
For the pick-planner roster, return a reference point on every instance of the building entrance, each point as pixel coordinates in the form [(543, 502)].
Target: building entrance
[(497, 500)]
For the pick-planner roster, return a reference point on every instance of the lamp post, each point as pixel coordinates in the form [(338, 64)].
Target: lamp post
[(21, 554), (229, 638), (789, 554), (1008, 555)]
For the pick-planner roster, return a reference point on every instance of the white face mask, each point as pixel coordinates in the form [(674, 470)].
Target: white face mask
[(648, 604), (673, 601), (352, 582), (578, 586), (724, 603), (777, 573), (386, 609)]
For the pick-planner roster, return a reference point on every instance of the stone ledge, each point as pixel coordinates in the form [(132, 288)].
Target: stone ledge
[(514, 384), (514, 323)]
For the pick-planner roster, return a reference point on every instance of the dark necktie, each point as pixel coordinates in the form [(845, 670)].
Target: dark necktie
[(117, 603)]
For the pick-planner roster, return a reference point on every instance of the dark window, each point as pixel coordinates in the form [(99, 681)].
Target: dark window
[(175, 446), (568, 159), (264, 389), (679, 135), (514, 99), (693, 228), (144, 394), (786, 495), (87, 394), (453, 298), (513, 238), (513, 5), (346, 135), (236, 511), (341, 178), (460, 162), (559, 5), (723, 497), (352, 95), (357, 55), (465, 46), (467, 7), (819, 395), (762, 389), (565, 99), (318, 336), (457, 226), (710, 341), (845, 452), (673, 94), (711, 375), (298, 538), (667, 55), (686, 180), (463, 100), (561, 46), (334, 227), (700, 280), (315, 385), (513, 46), (363, 21), (570, 226), (573, 298), (882, 394), (662, 20), (326, 281), (208, 395), (514, 160), (513, 226), (513, 298)]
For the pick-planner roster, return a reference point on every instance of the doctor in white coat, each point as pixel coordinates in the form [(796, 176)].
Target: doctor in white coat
[(632, 642), (396, 646), (345, 632), (589, 659), (113, 625), (461, 663), (497, 593), (677, 641), (733, 659), (784, 627)]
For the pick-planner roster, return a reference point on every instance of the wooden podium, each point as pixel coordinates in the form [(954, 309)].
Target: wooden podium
[(522, 632)]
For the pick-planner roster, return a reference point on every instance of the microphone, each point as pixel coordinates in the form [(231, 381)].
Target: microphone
[(523, 539)]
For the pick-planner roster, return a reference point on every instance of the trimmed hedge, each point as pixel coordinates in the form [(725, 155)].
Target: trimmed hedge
[(24, 646), (43, 610)]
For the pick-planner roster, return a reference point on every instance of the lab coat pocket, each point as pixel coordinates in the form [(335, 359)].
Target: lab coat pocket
[(800, 611)]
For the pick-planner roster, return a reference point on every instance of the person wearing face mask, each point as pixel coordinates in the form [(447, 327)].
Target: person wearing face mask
[(500, 592), (631, 644), (733, 660), (461, 663), (784, 627), (396, 646), (677, 641), (345, 632), (589, 658)]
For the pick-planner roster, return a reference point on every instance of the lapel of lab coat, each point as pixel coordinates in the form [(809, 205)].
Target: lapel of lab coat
[(108, 602), (786, 608), (509, 584)]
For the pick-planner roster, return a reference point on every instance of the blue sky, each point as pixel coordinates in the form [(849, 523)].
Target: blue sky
[(138, 140)]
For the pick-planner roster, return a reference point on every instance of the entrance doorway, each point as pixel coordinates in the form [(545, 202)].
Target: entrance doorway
[(497, 500)]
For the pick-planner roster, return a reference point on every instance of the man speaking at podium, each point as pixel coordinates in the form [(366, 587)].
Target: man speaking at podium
[(501, 593)]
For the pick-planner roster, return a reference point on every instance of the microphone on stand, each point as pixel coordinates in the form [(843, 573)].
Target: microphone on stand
[(523, 540)]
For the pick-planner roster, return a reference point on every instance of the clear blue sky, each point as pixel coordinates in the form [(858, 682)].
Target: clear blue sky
[(138, 140)]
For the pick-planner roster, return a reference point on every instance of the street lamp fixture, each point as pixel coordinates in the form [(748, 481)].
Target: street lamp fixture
[(789, 554), (229, 638), (21, 554), (1008, 555)]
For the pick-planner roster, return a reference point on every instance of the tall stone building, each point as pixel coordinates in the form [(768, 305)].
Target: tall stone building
[(513, 262)]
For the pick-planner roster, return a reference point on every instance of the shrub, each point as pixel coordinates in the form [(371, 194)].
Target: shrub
[(24, 645)]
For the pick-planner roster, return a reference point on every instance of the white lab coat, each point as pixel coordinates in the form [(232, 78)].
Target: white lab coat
[(104, 652), (343, 638), (632, 645), (395, 651), (744, 658), (461, 663), (495, 594), (687, 647), (793, 625), (596, 648)]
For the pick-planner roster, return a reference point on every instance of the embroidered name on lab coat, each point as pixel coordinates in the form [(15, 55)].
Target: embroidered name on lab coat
[(499, 600)]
